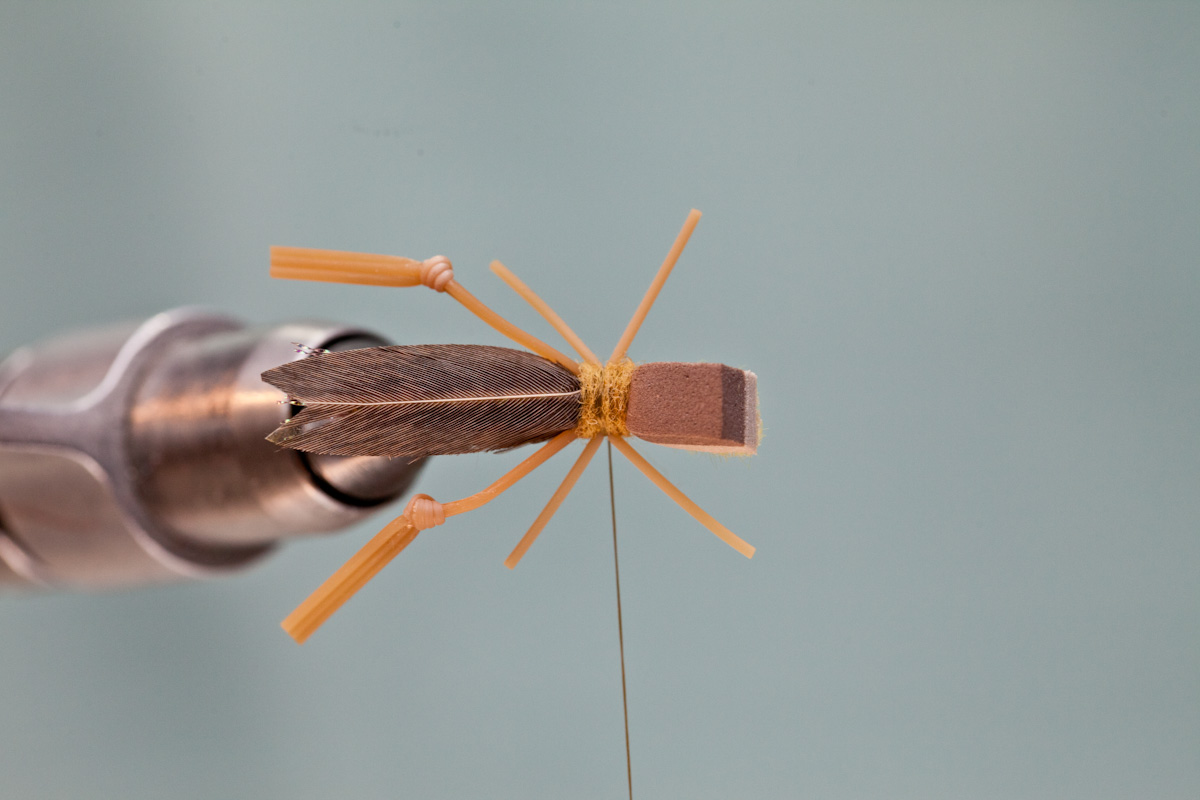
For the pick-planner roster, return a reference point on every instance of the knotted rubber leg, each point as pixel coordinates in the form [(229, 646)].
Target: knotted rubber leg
[(422, 512)]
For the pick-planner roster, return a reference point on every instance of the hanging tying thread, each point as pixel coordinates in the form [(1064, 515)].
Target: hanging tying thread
[(604, 398)]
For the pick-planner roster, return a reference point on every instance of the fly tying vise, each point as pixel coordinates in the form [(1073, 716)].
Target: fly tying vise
[(413, 401)]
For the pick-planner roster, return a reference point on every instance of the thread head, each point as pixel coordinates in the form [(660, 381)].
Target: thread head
[(604, 398)]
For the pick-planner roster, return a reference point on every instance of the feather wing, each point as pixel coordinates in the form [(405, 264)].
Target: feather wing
[(424, 400)]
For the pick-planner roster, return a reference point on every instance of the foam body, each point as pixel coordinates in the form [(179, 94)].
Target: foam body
[(708, 407)]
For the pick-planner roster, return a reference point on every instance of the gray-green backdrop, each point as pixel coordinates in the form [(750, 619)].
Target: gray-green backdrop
[(958, 243)]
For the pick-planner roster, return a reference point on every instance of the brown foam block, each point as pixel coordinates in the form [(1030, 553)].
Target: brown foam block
[(708, 407)]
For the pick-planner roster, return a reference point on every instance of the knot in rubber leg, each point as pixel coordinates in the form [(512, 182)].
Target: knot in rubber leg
[(425, 512), (436, 272)]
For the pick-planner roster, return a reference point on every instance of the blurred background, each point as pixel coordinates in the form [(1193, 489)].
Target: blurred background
[(958, 243)]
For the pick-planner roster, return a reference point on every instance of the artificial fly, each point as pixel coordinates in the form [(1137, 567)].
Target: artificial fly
[(415, 401)]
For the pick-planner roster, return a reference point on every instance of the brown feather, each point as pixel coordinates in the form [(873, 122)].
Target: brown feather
[(424, 400)]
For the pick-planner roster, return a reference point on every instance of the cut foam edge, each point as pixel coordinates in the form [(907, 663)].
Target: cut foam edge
[(706, 407)]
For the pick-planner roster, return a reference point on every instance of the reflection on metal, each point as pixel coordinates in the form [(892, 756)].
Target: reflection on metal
[(136, 453)]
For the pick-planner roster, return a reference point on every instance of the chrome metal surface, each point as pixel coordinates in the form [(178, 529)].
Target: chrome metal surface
[(137, 453), (366, 480)]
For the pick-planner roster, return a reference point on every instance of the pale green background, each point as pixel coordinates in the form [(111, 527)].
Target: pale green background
[(959, 244)]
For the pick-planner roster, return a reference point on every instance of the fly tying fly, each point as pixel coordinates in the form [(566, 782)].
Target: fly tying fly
[(414, 401)]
